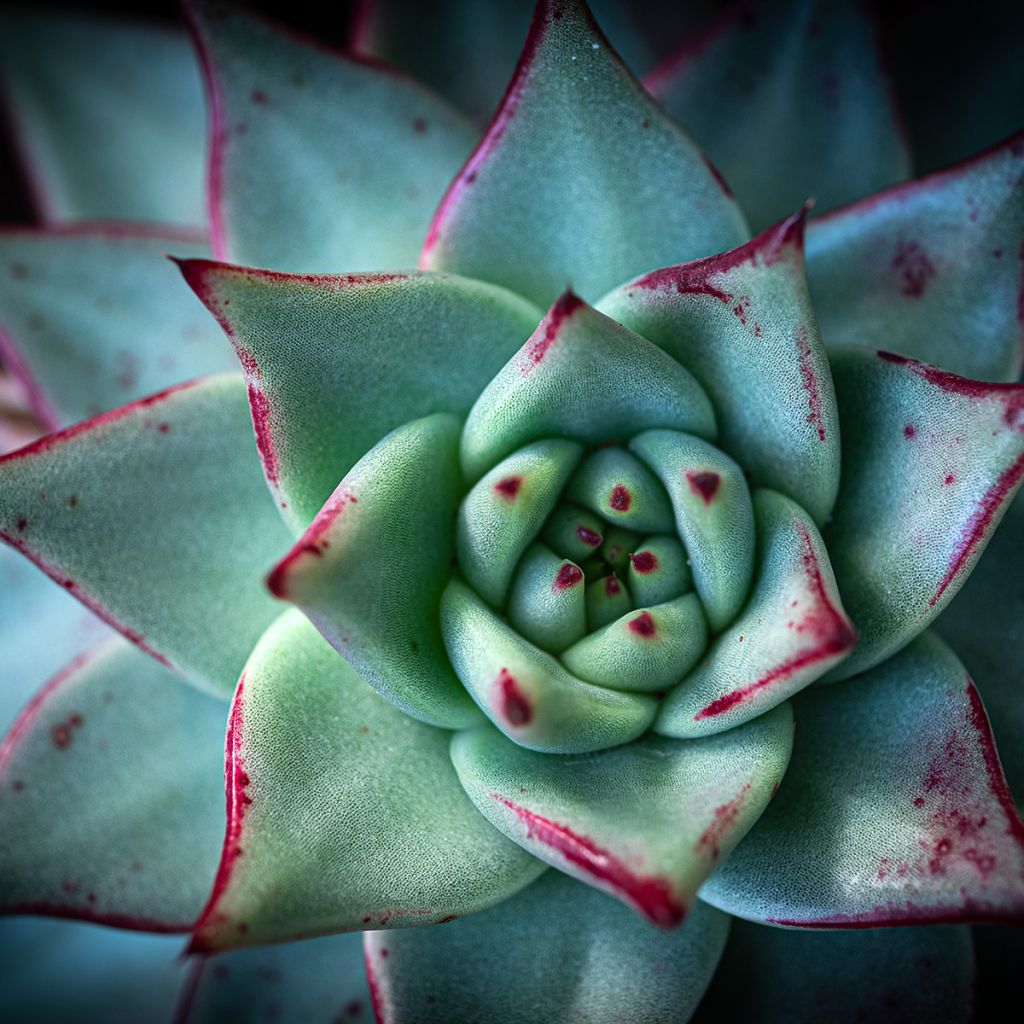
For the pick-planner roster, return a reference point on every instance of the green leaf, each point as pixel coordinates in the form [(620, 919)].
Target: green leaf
[(894, 809), (545, 602), (658, 570), (623, 490), (320, 161), (42, 628), (984, 624), (930, 463), (528, 693), (791, 631), (345, 808), (714, 516), (790, 100), (556, 952), (93, 316), (775, 976), (335, 362), (370, 570), (108, 116), (930, 269), (580, 178), (646, 822), (102, 816), (537, 393), (319, 981), (743, 325), (155, 516)]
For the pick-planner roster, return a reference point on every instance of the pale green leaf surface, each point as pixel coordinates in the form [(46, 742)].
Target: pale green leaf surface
[(321, 162), (623, 490), (94, 316), (580, 179), (370, 570), (894, 809), (155, 516), (931, 269), (646, 822), (930, 463), (103, 814), (790, 100), (108, 115), (335, 362), (556, 952), (345, 808), (790, 632), (879, 974), (569, 379), (528, 693), (742, 324)]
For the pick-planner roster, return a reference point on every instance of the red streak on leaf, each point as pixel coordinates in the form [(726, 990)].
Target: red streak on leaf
[(620, 499), (568, 576), (810, 382), (996, 778), (513, 704), (508, 487), (832, 631), (236, 786), (643, 625), (725, 818), (704, 484), (373, 984), (651, 896), (544, 337), (644, 562)]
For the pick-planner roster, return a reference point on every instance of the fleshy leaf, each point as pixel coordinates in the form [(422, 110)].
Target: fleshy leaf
[(569, 380), (102, 815), (714, 516), (335, 362), (370, 570), (743, 325), (790, 100), (931, 269), (345, 808), (320, 981), (320, 161), (580, 178), (93, 316), (894, 809), (792, 630), (108, 115), (658, 570), (528, 693), (646, 822), (623, 490), (585, 958), (930, 463), (66, 970), (545, 602), (984, 624), (155, 516), (777, 976)]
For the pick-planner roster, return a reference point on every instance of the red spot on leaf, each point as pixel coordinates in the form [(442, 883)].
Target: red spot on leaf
[(910, 431), (643, 625), (513, 704), (259, 97), (620, 499), (589, 537), (914, 268), (546, 334), (568, 576), (508, 487), (705, 484), (419, 125), (612, 586), (644, 562), (809, 379)]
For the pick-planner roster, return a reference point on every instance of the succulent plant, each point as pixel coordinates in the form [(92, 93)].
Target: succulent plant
[(610, 672)]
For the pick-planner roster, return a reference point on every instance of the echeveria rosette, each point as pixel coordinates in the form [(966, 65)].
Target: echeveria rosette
[(590, 560)]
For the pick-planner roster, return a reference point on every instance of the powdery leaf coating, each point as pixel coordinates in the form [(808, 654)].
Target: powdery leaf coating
[(791, 631), (984, 624), (580, 177), (155, 516), (930, 463), (370, 569), (911, 824), (790, 100), (714, 516), (777, 976), (108, 116), (528, 693), (931, 269), (319, 981), (570, 379), (93, 316), (101, 749), (348, 810), (586, 959), (742, 324), (334, 362), (646, 822), (319, 161)]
